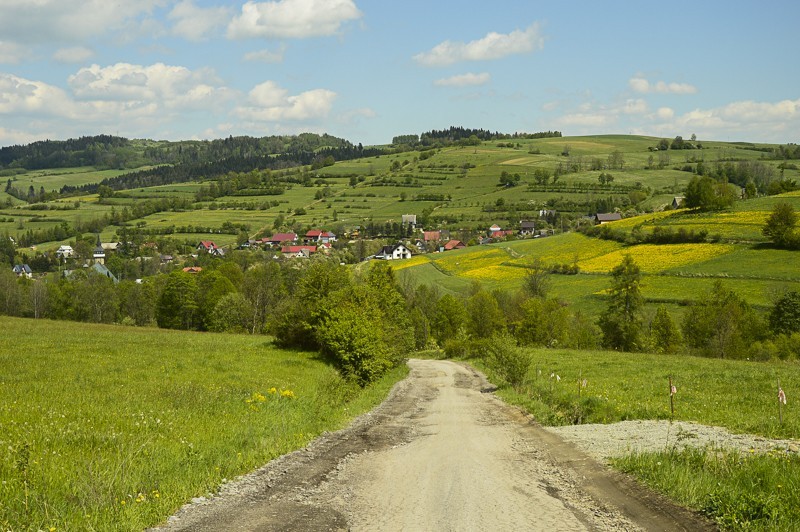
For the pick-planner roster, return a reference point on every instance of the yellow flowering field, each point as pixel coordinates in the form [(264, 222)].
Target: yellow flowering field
[(656, 258), (563, 249), (495, 273), (646, 219), (482, 257), (415, 260)]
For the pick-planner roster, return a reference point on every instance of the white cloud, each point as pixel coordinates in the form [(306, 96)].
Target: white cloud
[(74, 54), (39, 21), (492, 46), (292, 18), (20, 96), (635, 107), (597, 120), (196, 23), (165, 86), (665, 113), (464, 80), (642, 85), (266, 56), (271, 103)]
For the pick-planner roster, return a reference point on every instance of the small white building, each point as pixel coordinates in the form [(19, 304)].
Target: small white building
[(393, 252), (65, 252)]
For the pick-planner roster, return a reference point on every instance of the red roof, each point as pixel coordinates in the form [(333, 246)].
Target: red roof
[(314, 233), (501, 234), (454, 244), (193, 269), (207, 244), (277, 238), (431, 235), (298, 249)]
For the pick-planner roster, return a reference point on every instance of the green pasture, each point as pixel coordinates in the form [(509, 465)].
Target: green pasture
[(114, 428), (55, 178), (739, 490)]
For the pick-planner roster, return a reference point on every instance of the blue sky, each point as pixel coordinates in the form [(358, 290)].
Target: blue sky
[(368, 70)]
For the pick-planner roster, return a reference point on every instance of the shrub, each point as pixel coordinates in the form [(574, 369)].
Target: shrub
[(508, 360)]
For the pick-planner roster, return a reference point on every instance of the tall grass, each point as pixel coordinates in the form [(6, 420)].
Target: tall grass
[(113, 428)]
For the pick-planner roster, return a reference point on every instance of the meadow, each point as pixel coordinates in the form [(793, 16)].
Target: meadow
[(739, 490), (114, 428)]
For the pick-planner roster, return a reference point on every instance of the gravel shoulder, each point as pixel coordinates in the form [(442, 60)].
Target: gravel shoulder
[(440, 454)]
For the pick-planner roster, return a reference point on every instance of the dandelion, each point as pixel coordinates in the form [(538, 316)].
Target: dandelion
[(272, 391), (289, 394)]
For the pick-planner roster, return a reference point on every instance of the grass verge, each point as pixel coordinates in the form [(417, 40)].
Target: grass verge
[(114, 428)]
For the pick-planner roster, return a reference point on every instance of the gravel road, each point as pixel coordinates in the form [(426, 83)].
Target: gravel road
[(439, 454)]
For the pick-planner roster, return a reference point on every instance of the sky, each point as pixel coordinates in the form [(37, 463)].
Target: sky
[(368, 70)]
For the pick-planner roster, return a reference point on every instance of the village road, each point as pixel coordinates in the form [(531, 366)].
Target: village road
[(441, 453)]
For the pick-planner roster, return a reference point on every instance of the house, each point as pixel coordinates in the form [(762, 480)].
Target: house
[(280, 238), (393, 252), (110, 246), (547, 213), (166, 259), (494, 228), (409, 219), (299, 252), (604, 218), (527, 227), (193, 269), (318, 235), (23, 270), (431, 236), (454, 244), (677, 202), (65, 252), (501, 234), (206, 245)]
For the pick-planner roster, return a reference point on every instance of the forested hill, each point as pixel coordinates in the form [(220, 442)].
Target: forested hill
[(106, 151)]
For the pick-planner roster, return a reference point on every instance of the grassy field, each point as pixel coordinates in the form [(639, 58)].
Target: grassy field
[(113, 428), (741, 491)]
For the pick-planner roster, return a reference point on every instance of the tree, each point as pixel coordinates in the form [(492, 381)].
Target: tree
[(705, 193), (537, 279), (621, 322), (450, 317), (544, 322), (784, 318), (721, 324), (780, 225), (484, 315), (664, 332), (232, 313), (177, 305)]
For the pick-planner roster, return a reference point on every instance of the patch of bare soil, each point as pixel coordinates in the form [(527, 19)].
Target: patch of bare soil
[(439, 454)]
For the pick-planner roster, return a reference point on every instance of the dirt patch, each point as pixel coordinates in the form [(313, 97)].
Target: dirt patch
[(439, 454)]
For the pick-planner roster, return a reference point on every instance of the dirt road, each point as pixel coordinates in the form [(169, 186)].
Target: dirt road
[(439, 454)]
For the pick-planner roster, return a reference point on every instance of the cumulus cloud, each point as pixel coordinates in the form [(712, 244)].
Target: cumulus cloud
[(642, 85), (269, 102), (266, 56), (196, 23), (295, 19), (173, 87), (20, 96), (665, 113), (40, 21), (464, 80), (492, 46), (74, 54)]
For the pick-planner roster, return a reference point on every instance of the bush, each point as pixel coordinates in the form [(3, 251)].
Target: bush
[(508, 360)]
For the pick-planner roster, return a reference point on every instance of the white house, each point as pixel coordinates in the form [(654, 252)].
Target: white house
[(394, 252), (65, 252)]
